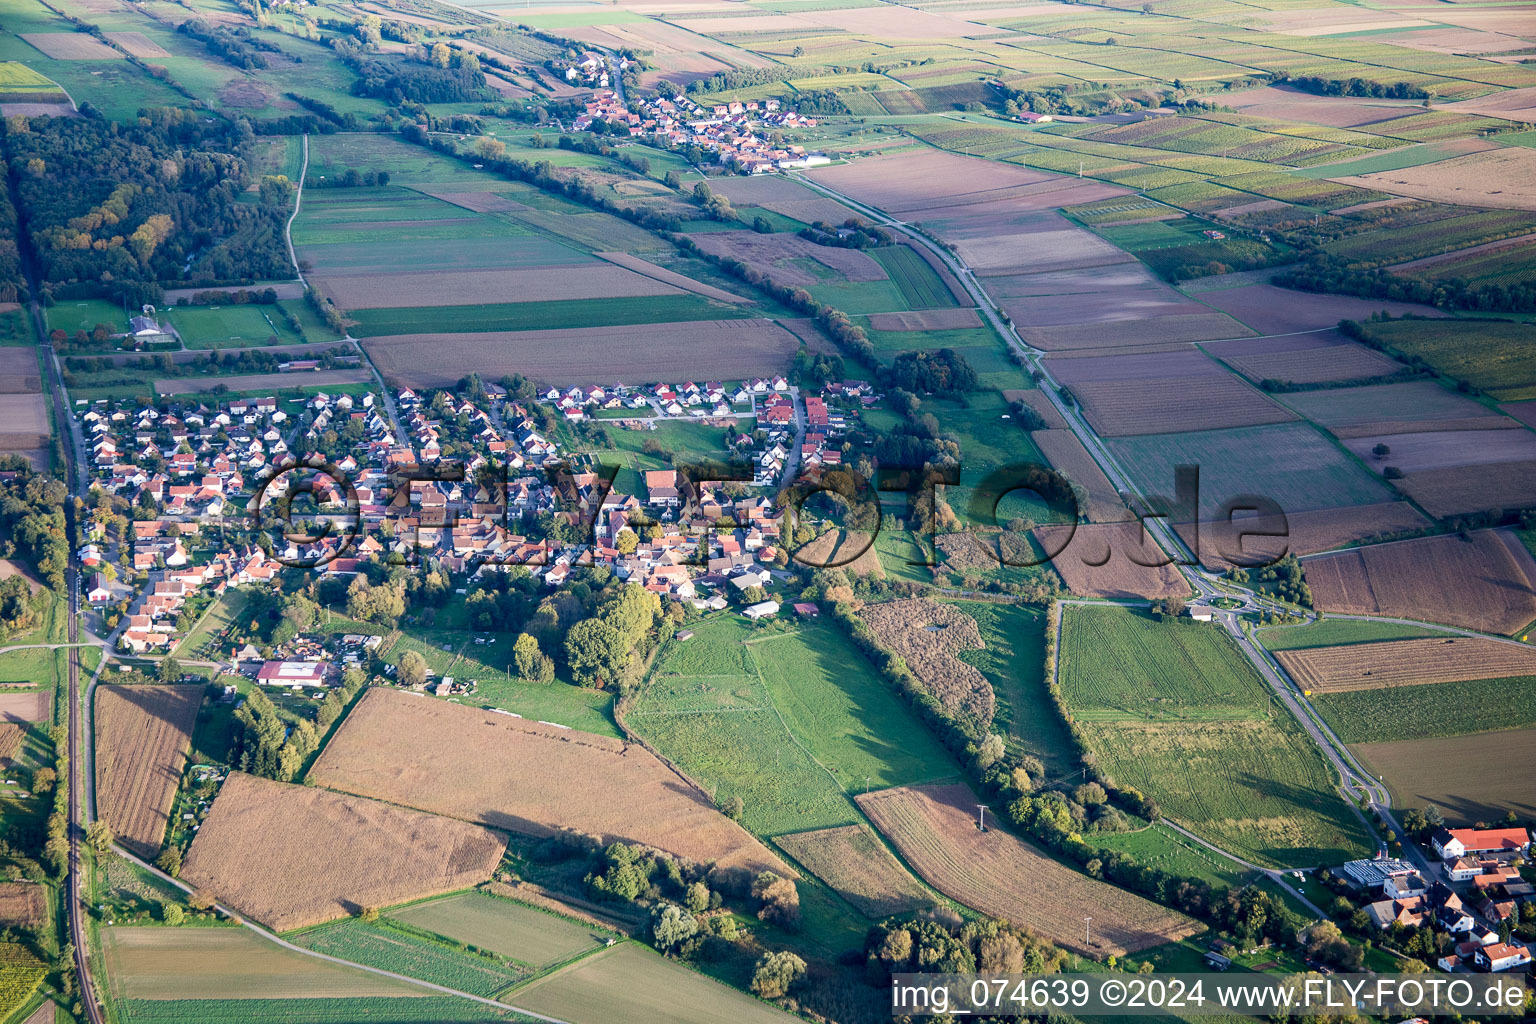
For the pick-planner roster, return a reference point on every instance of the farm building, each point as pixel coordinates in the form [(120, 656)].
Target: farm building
[(761, 610), (1453, 844), (806, 610), (1371, 874), (292, 673)]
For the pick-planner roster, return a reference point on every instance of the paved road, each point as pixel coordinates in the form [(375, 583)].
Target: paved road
[(1353, 779)]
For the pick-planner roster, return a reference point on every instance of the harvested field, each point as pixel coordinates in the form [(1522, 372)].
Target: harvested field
[(775, 254), (1513, 104), (850, 550), (527, 777), (257, 850), (1256, 540), (783, 196), (1041, 404), (1160, 330), (645, 268), (71, 46), (1459, 489), (479, 202), (1068, 457), (10, 742), (928, 635), (934, 828), (479, 287), (1085, 369), (926, 320), (1163, 405), (143, 734), (707, 349), (1411, 406), (1447, 449), (24, 414), (901, 182), (150, 962), (270, 381), (1286, 104), (1452, 773), (1503, 178), (1484, 583), (1375, 666), (1112, 560), (26, 707), (22, 904), (138, 44), (858, 866), (1305, 359), (1271, 310), (1525, 412)]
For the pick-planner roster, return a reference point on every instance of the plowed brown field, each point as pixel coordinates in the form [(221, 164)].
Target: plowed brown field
[(934, 828), (142, 737), (1375, 666)]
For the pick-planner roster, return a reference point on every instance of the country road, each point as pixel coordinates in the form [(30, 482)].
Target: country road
[(1352, 779)]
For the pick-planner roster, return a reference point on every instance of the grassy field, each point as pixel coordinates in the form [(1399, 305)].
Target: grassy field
[(394, 949), (215, 630), (230, 326), (513, 930), (1013, 661), (648, 986), (1159, 846), (1333, 632), (792, 723), (357, 1010), (1174, 711), (1291, 462), (538, 316), (489, 665), (1431, 709), (919, 284)]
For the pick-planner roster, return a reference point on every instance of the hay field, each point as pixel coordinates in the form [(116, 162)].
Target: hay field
[(1304, 359), (1374, 666), (934, 828), (1163, 405), (292, 856), (1486, 583), (1502, 178), (522, 776), (783, 196), (479, 287), (1452, 773), (926, 320), (850, 550), (669, 277), (781, 257), (1224, 542), (36, 706), (1290, 463), (22, 904), (149, 962), (1111, 560), (928, 636), (71, 46), (705, 349), (858, 866), (143, 734), (138, 44), (535, 937), (648, 986)]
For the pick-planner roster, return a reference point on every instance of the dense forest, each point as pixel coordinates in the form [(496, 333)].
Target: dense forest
[(119, 209)]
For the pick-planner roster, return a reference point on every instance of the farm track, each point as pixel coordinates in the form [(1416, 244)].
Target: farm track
[(1353, 779)]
